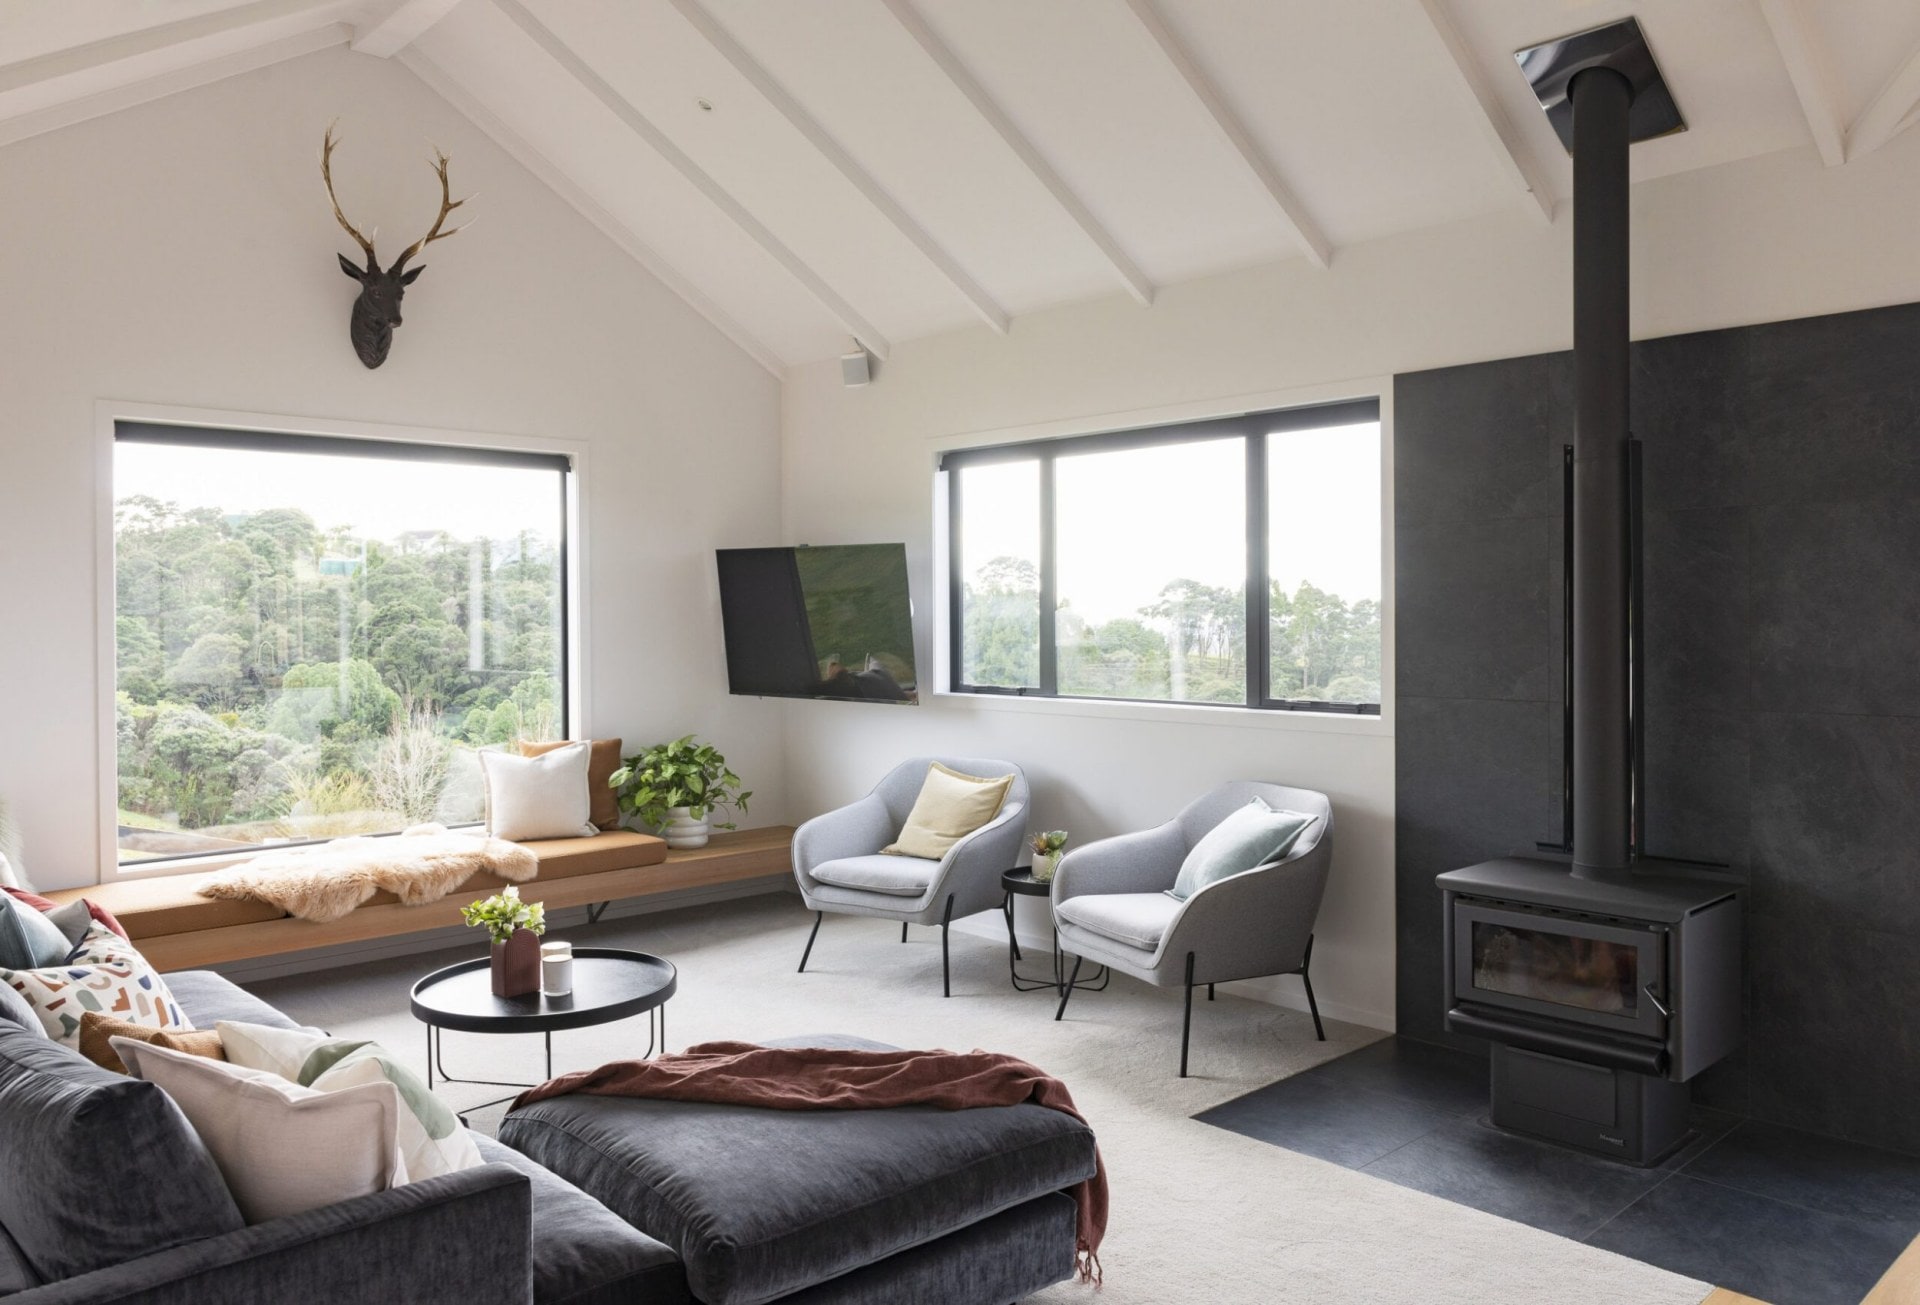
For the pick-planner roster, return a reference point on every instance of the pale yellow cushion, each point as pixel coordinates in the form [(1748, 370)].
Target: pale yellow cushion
[(950, 806)]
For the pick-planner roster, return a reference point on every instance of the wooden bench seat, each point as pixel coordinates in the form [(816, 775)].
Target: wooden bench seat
[(177, 929)]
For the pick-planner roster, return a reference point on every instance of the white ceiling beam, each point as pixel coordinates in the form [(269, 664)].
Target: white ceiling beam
[(849, 318), (1301, 227), (1016, 140), (533, 160), (84, 108), (103, 53), (401, 24), (863, 181), (1889, 112), (1509, 149), (1811, 75)]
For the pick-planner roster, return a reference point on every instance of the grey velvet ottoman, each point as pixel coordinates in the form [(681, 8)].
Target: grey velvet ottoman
[(829, 1207)]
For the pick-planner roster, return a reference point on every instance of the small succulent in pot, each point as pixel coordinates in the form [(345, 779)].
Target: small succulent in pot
[(1047, 849)]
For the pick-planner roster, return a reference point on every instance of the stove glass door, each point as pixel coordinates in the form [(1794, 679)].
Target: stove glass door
[(1593, 972)]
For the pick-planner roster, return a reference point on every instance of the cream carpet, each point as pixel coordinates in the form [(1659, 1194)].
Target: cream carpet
[(1199, 1214)]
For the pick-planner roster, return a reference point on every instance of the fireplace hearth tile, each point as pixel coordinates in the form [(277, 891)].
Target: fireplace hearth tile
[(1327, 1120), (1756, 1245), (1433, 1076), (1552, 1188), (1817, 1173)]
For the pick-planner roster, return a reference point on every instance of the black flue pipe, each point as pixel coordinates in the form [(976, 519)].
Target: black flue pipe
[(1601, 101)]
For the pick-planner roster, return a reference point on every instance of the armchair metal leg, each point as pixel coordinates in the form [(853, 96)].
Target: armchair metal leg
[(903, 931), (817, 916), (1186, 1023), (1313, 1006), (1209, 992), (946, 972), (1067, 991)]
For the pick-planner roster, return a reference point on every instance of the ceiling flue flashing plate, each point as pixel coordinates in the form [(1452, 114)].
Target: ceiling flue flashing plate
[(1550, 68)]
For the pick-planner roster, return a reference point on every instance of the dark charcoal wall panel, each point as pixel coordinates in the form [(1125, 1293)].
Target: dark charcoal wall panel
[(1783, 620)]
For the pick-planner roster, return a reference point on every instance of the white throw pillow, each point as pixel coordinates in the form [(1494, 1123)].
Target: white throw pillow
[(430, 1137), (106, 974), (11, 876), (539, 797), (282, 1148)]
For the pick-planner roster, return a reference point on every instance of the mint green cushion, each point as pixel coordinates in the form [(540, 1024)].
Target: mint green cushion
[(1251, 836), (28, 940)]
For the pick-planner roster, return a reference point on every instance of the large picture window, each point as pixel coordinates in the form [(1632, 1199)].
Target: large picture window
[(315, 636), (1232, 562)]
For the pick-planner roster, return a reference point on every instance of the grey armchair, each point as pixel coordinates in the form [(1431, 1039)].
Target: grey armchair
[(839, 866), (1110, 903)]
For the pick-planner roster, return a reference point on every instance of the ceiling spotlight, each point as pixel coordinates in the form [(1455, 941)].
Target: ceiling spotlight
[(706, 106)]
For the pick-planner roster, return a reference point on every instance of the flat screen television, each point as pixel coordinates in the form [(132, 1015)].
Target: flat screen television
[(829, 622)]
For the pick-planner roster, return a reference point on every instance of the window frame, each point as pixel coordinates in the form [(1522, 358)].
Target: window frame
[(265, 430), (1251, 428)]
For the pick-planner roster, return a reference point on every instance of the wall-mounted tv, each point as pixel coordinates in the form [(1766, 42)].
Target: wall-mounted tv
[(829, 622)]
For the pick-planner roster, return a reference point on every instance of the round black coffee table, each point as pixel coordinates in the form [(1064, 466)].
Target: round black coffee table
[(1020, 882), (609, 984)]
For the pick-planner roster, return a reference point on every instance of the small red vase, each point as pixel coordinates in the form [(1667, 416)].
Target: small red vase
[(516, 964)]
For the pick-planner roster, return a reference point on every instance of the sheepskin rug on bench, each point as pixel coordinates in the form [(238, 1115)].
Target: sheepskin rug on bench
[(327, 881)]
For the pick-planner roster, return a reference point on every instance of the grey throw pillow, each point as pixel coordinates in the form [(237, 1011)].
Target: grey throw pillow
[(72, 920), (28, 939), (14, 1008), (1253, 835)]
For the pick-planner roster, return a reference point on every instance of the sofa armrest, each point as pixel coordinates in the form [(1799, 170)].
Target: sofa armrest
[(463, 1238), (1143, 862)]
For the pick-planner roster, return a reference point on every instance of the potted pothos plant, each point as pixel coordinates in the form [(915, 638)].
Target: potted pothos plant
[(673, 787), (515, 928)]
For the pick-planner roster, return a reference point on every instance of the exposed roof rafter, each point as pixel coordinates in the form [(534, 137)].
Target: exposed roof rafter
[(1016, 140), (1811, 75), (1509, 148), (1300, 225), (1895, 108), (849, 318), (534, 161), (401, 24), (863, 181)]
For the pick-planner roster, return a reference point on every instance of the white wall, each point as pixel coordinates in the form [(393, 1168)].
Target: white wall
[(1768, 239), (183, 253)]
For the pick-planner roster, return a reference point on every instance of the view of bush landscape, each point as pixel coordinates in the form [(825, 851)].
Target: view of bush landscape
[(280, 680), (1189, 646)]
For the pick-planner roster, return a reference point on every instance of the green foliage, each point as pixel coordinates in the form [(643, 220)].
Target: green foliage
[(503, 913), (317, 699), (678, 774)]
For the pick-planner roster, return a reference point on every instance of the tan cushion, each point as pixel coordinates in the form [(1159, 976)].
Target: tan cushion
[(96, 1028), (563, 858), (603, 759), (147, 908), (950, 806)]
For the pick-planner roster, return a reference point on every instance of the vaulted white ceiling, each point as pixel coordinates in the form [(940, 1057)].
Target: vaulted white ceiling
[(807, 172)]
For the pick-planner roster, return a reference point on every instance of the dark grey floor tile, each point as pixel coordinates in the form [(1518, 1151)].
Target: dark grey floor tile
[(1535, 1183), (1752, 1244), (1445, 1079), (1331, 1121), (1843, 1178)]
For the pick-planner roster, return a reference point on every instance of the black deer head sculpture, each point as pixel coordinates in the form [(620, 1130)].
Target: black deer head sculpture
[(377, 311)]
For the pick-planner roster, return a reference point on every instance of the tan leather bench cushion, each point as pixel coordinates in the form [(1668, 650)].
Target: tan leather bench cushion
[(169, 903)]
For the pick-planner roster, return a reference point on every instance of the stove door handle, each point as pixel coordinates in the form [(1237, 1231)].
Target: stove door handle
[(1658, 1005)]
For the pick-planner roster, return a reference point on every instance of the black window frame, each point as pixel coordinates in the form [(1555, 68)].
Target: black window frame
[(132, 431), (1251, 429)]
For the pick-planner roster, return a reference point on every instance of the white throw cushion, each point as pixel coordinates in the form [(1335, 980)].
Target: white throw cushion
[(539, 797), (282, 1148), (105, 974), (1136, 919), (429, 1135), (11, 876), (897, 876)]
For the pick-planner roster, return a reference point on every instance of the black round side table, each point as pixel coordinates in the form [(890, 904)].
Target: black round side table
[(609, 984), (1020, 881)]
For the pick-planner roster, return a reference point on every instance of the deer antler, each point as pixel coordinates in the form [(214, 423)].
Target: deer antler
[(326, 175), (447, 205)]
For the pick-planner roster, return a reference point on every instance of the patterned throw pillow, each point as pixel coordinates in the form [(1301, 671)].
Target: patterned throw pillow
[(431, 1139), (104, 974)]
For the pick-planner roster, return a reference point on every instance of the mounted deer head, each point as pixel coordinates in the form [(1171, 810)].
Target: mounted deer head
[(377, 311)]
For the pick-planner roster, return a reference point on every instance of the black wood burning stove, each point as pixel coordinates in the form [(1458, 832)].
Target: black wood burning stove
[(1604, 979)]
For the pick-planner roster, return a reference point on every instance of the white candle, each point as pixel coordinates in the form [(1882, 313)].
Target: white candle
[(556, 968)]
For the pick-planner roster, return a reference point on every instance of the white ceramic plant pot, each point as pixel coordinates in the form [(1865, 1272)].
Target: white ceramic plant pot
[(683, 830), (1045, 865)]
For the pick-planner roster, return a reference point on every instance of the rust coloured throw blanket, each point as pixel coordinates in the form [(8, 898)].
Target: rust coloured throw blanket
[(822, 1078)]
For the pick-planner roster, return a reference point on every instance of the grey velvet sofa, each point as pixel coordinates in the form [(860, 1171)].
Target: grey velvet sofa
[(107, 1198)]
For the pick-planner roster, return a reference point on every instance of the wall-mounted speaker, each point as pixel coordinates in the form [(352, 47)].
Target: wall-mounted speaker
[(856, 368)]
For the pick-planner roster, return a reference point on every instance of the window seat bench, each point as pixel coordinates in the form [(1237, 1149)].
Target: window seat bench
[(177, 929)]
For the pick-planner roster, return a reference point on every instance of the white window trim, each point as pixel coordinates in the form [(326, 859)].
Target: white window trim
[(109, 412), (1225, 715)]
